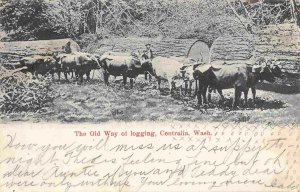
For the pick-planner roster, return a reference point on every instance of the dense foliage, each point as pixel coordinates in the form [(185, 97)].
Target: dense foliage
[(39, 19), (45, 19), (27, 19)]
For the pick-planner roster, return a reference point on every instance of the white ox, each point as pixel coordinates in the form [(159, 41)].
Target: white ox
[(168, 69)]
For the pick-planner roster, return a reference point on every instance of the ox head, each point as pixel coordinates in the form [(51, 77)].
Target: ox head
[(50, 60), (94, 60), (266, 74), (23, 64), (146, 64), (48, 63), (55, 55), (187, 73), (197, 74), (276, 71)]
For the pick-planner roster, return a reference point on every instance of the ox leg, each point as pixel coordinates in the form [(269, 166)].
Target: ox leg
[(186, 87), (222, 101), (237, 95), (158, 83), (106, 76), (93, 74), (58, 74), (66, 76), (199, 97), (35, 73), (204, 90), (124, 80), (196, 87), (88, 78), (170, 87), (209, 94), (190, 87), (146, 75), (81, 77), (77, 75), (235, 98), (131, 83), (253, 89), (221, 94), (246, 97)]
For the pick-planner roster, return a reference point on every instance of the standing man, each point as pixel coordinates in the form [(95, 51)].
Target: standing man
[(67, 48), (149, 53)]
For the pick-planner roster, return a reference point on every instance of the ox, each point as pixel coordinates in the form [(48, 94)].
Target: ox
[(121, 65), (234, 76), (254, 78), (188, 75), (81, 63), (276, 71), (87, 62), (39, 64), (264, 74), (165, 69)]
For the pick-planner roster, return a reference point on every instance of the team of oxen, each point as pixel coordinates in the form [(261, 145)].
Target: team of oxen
[(206, 77)]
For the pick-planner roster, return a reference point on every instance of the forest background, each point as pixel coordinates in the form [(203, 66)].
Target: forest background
[(50, 19)]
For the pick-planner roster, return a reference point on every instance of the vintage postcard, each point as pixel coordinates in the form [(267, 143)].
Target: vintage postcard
[(149, 95)]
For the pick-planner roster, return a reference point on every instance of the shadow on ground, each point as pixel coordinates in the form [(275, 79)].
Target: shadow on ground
[(263, 103)]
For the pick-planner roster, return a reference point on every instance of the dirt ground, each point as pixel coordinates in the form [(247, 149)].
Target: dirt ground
[(94, 102)]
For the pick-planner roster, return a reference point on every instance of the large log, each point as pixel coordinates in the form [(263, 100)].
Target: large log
[(12, 52)]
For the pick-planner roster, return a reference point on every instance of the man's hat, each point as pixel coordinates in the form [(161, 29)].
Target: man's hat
[(147, 44)]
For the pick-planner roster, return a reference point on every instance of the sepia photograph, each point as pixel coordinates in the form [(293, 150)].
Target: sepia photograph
[(97, 61), (149, 95)]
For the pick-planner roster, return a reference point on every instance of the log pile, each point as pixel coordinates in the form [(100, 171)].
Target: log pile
[(20, 92), (12, 52), (232, 48), (224, 48), (281, 45), (162, 47)]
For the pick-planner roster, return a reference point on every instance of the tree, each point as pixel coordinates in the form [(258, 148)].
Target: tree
[(28, 19)]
